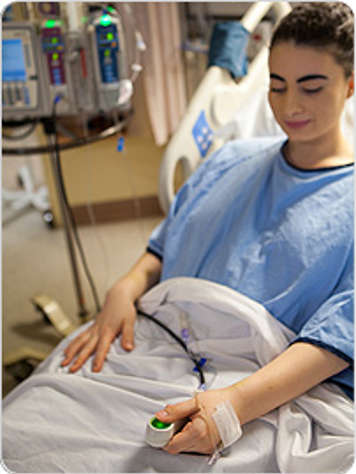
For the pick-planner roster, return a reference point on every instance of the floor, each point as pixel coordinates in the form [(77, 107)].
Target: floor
[(35, 261)]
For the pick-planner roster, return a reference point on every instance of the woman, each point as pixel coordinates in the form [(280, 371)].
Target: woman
[(272, 220)]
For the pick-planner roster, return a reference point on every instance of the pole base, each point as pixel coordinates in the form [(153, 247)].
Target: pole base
[(54, 314)]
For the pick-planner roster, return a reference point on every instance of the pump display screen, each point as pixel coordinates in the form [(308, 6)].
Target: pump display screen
[(13, 60)]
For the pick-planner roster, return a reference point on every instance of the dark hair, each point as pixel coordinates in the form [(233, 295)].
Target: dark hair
[(322, 25)]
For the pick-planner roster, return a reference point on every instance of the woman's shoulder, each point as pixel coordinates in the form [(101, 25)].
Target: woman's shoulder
[(238, 151), (240, 155), (255, 145)]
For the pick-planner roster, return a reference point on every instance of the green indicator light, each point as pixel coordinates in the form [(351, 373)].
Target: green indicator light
[(107, 52), (55, 56), (105, 20), (110, 9), (109, 36), (159, 424), (50, 23), (54, 40)]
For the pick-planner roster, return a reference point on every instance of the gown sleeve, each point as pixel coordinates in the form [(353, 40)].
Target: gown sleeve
[(332, 326)]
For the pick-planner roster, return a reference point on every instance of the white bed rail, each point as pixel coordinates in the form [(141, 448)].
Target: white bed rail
[(215, 101)]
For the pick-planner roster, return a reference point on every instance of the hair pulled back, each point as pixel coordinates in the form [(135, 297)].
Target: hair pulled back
[(324, 25)]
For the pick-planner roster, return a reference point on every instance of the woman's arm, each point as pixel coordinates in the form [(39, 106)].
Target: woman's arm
[(144, 274), (117, 316), (292, 373)]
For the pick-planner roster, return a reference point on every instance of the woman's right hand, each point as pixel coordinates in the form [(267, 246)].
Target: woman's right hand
[(117, 317)]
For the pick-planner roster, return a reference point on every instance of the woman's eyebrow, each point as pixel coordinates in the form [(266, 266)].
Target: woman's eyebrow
[(275, 76), (311, 77)]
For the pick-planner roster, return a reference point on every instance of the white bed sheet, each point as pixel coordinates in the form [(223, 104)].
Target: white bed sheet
[(95, 422)]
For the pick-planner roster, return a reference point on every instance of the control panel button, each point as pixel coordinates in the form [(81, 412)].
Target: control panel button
[(26, 95), (17, 94)]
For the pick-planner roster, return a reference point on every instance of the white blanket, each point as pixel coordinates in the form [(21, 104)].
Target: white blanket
[(95, 422)]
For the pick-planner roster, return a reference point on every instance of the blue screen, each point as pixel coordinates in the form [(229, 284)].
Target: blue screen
[(13, 61)]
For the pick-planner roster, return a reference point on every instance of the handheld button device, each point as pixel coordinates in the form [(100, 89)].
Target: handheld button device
[(159, 433)]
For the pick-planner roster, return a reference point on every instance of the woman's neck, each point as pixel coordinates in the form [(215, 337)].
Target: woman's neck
[(324, 152)]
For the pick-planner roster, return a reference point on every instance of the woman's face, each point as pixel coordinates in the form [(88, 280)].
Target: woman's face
[(307, 92)]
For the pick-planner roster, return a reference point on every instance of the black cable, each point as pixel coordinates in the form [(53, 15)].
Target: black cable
[(179, 340), (25, 134), (70, 212), (77, 239)]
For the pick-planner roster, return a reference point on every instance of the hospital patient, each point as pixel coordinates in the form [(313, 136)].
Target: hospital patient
[(272, 219)]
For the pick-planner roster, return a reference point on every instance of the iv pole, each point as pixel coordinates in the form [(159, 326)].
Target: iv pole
[(47, 306)]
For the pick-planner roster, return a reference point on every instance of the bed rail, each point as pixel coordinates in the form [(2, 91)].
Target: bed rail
[(213, 104)]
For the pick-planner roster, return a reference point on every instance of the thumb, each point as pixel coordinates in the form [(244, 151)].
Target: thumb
[(178, 411)]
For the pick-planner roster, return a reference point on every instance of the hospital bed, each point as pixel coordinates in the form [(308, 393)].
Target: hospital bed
[(95, 422), (223, 109)]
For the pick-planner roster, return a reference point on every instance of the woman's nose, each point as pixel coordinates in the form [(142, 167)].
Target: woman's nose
[(293, 104)]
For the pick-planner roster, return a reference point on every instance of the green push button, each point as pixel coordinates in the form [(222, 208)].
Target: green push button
[(159, 424)]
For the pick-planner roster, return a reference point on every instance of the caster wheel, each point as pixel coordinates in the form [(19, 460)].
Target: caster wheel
[(48, 218)]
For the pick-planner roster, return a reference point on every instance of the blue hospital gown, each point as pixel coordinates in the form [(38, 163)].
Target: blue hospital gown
[(282, 236)]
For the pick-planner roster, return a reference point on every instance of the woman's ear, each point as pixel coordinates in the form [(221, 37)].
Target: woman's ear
[(351, 86)]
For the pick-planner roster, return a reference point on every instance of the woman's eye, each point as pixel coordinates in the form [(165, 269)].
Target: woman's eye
[(313, 91), (275, 89)]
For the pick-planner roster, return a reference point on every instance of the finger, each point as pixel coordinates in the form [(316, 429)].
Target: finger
[(127, 334), (102, 350), (184, 441), (84, 354), (74, 347), (178, 411)]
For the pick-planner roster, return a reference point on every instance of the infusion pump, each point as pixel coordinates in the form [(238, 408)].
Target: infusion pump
[(108, 46), (24, 88), (87, 67), (54, 53)]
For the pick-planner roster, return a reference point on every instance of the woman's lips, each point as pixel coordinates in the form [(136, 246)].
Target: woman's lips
[(296, 123)]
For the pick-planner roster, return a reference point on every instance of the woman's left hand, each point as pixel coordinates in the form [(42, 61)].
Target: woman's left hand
[(200, 434)]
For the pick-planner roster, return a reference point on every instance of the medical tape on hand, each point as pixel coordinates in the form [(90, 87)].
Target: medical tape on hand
[(227, 423)]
